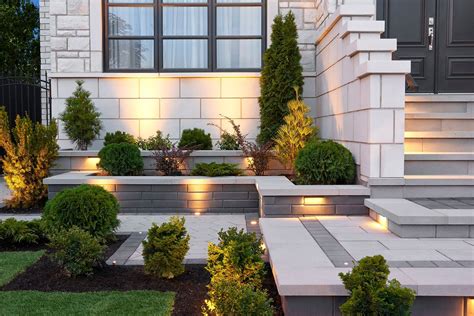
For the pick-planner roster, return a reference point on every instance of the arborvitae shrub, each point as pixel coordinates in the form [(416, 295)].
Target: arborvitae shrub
[(30, 150), (371, 293), (76, 251), (216, 169), (89, 207), (195, 138), (280, 73), (325, 162), (294, 133), (165, 248), (118, 137), (121, 160), (81, 119)]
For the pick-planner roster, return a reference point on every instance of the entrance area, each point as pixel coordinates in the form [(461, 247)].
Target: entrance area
[(438, 37)]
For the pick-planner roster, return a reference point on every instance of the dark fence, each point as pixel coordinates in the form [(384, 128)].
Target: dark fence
[(26, 96)]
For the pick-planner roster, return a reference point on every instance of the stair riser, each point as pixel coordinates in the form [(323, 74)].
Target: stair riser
[(440, 145), (435, 107), (422, 191), (438, 125), (421, 167)]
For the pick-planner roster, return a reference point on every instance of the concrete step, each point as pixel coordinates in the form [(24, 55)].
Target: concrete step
[(439, 103), (408, 219), (439, 163), (440, 144), (439, 122)]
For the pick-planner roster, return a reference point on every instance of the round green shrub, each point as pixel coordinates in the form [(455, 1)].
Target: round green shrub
[(121, 160), (118, 137), (325, 162), (88, 207), (195, 138), (76, 251)]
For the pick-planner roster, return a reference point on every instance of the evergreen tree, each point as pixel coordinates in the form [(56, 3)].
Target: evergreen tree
[(281, 72), (81, 119)]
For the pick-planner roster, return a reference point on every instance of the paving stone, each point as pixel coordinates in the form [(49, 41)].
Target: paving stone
[(467, 264), (422, 264), (398, 264), (447, 264)]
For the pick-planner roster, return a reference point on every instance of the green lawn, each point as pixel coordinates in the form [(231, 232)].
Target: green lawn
[(14, 263), (89, 303)]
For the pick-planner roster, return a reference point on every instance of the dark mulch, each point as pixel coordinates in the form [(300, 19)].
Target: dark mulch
[(190, 287)]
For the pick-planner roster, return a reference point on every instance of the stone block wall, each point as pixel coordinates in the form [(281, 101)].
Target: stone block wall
[(182, 198), (278, 206), (141, 103), (360, 90)]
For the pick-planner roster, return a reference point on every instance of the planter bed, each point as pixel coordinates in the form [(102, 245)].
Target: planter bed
[(268, 195)]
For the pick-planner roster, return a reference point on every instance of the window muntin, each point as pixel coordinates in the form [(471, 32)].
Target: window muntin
[(183, 35)]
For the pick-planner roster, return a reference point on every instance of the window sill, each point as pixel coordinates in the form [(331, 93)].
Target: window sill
[(154, 75)]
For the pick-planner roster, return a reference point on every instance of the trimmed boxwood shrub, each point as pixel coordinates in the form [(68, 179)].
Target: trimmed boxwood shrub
[(76, 251), (195, 138), (118, 137), (216, 169), (121, 160), (325, 162), (88, 207), (165, 248)]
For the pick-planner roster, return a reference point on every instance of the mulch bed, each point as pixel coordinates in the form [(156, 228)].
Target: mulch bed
[(190, 287)]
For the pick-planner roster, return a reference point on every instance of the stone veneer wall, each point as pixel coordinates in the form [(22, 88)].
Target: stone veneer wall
[(142, 103), (360, 91), (182, 198)]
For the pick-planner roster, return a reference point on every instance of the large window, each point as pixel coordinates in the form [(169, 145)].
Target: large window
[(184, 35)]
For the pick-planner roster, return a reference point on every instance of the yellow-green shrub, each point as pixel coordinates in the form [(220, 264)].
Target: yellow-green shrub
[(30, 150), (294, 133)]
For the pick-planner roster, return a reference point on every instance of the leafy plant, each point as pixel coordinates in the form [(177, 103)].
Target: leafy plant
[(89, 207), (118, 137), (371, 293), (81, 119), (121, 160), (169, 160), (30, 150), (76, 251), (195, 138), (325, 162), (20, 41), (227, 140), (13, 231), (165, 248), (234, 298), (155, 142), (293, 135), (258, 155), (216, 170), (280, 73)]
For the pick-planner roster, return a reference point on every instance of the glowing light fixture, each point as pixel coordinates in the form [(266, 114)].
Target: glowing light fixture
[(469, 306), (253, 222), (382, 220), (197, 213), (314, 200)]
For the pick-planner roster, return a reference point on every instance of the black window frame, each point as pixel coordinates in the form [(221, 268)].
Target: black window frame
[(158, 36)]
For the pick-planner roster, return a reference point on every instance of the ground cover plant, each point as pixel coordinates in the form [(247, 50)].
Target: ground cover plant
[(81, 120), (165, 248), (89, 207), (30, 150), (121, 159), (195, 138), (325, 162), (371, 293), (95, 303), (280, 73), (13, 263), (16, 233), (214, 169)]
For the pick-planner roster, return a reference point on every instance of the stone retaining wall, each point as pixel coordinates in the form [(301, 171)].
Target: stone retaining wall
[(180, 198)]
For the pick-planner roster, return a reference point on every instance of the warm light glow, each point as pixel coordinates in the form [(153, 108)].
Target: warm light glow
[(197, 213), (470, 306), (382, 220), (263, 246), (91, 163), (253, 222), (314, 200), (375, 225)]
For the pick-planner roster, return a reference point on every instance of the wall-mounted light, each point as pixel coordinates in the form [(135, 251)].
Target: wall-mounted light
[(382, 220), (253, 222), (469, 306), (197, 213), (314, 200)]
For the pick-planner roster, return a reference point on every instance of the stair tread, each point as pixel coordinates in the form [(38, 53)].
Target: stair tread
[(440, 134), (414, 156), (437, 115)]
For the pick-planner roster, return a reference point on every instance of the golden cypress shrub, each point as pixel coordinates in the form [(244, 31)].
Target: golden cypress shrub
[(294, 133), (30, 150)]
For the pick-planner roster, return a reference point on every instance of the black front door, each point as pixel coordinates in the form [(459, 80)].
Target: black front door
[(438, 37)]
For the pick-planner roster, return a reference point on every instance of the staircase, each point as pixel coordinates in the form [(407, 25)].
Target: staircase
[(439, 143)]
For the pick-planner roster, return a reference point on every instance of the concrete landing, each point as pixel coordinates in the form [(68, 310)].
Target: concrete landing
[(306, 260)]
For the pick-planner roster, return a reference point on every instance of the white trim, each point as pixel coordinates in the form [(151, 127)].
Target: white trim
[(154, 75)]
